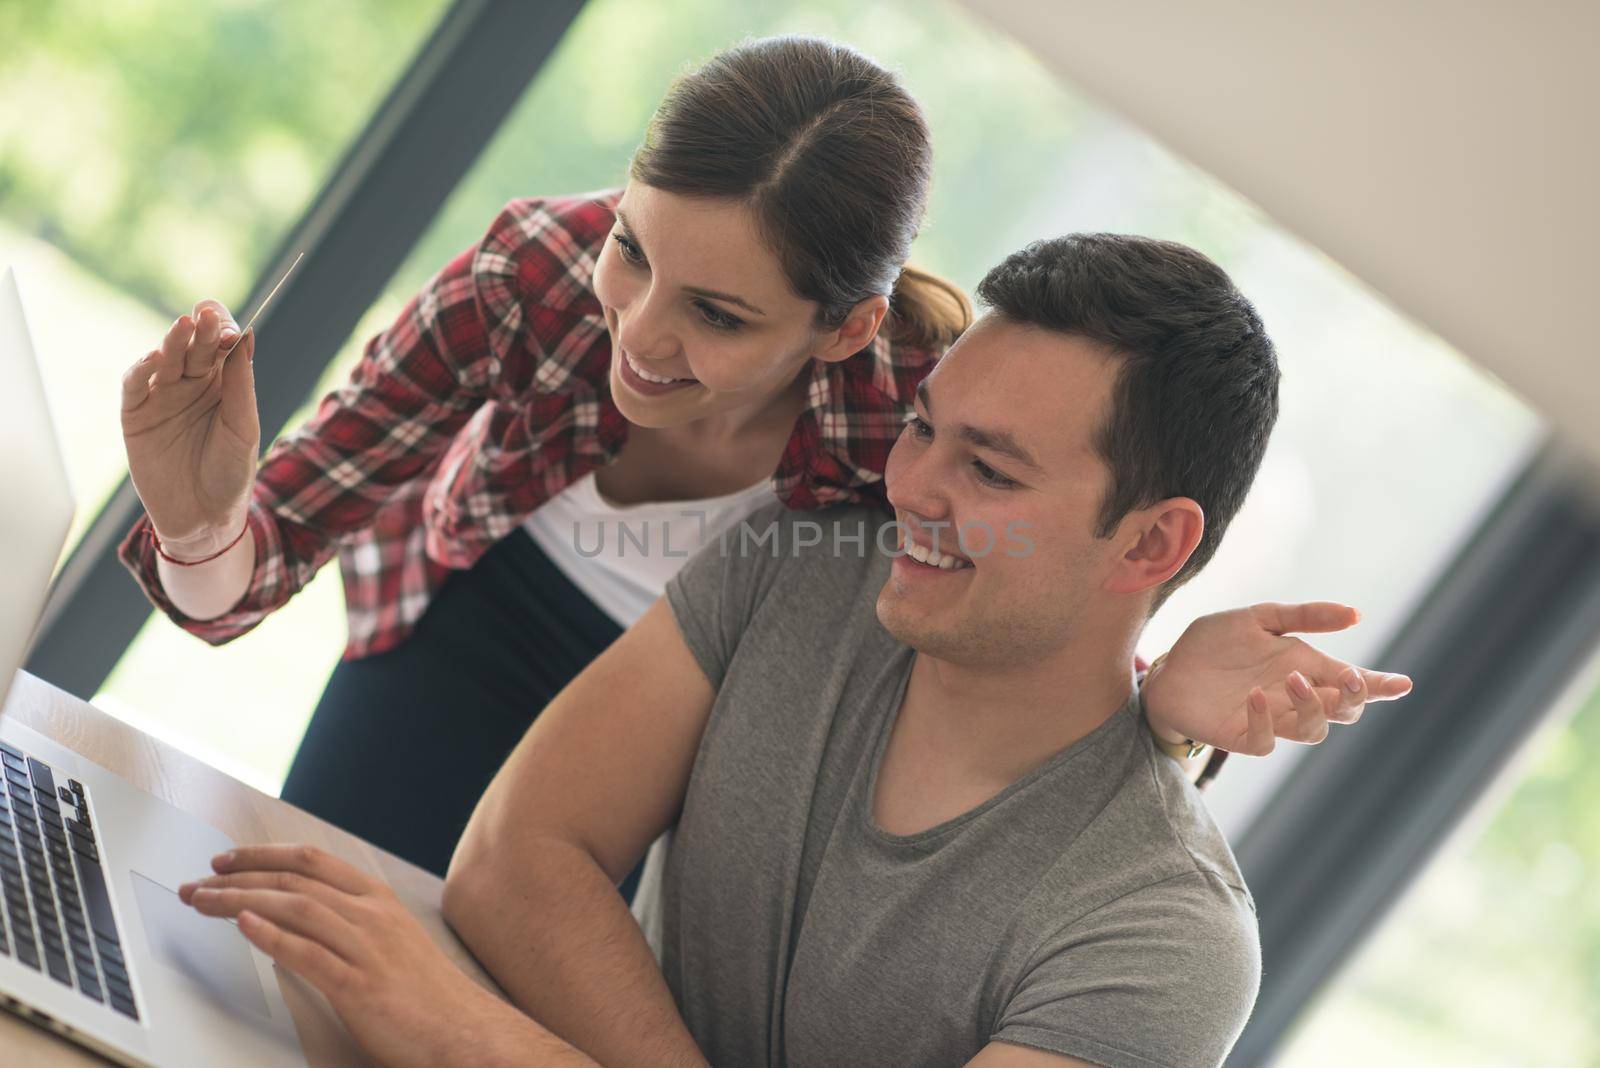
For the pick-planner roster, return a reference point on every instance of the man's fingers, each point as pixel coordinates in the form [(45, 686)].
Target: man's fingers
[(295, 913), (303, 859), (315, 963), (287, 882), (1309, 617)]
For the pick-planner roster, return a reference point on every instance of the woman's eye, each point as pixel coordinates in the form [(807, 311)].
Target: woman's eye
[(628, 250), (990, 476), (717, 317), (920, 427)]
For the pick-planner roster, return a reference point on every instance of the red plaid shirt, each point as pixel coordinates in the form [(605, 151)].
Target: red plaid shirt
[(487, 397)]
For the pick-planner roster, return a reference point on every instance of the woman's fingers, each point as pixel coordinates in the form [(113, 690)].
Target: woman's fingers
[(312, 961), (238, 410), (1311, 725), (174, 349), (1349, 698), (1384, 685), (1310, 617), (1259, 736), (202, 352), (136, 380), (214, 331), (301, 859)]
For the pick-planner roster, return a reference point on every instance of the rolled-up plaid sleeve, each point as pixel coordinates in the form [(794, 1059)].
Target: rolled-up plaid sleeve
[(370, 442)]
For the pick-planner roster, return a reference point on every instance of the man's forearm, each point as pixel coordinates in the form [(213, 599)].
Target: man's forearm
[(552, 930)]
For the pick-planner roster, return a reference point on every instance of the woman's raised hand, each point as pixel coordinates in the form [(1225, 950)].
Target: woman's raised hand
[(1239, 681), (190, 427)]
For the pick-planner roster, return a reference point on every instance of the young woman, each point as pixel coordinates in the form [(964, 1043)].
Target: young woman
[(738, 322)]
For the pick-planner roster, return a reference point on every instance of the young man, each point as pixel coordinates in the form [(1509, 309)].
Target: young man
[(917, 817)]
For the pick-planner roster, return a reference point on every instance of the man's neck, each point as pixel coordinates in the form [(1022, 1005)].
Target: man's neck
[(1008, 719)]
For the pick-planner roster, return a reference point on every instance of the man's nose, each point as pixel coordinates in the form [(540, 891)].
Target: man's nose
[(917, 487)]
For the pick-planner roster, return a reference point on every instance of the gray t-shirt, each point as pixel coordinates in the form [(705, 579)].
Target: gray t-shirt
[(1091, 908)]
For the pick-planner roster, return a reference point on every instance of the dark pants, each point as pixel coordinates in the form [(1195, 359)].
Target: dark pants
[(403, 743)]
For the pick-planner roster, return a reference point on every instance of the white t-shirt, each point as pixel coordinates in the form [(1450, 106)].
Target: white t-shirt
[(621, 556)]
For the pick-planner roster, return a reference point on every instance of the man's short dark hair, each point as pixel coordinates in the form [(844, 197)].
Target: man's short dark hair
[(1197, 394)]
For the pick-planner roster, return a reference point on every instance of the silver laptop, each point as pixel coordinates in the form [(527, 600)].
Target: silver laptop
[(94, 943)]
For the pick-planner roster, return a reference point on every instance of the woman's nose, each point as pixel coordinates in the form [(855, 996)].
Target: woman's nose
[(645, 332)]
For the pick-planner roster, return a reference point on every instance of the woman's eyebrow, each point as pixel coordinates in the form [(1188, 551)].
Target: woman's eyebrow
[(699, 291)]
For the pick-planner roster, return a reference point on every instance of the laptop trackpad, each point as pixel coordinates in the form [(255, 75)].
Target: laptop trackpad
[(210, 951)]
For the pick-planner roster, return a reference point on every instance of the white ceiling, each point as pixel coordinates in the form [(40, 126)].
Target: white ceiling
[(1447, 153)]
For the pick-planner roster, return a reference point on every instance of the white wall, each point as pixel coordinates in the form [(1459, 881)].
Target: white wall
[(1446, 153)]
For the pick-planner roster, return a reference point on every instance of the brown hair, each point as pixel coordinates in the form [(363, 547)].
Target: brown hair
[(832, 155), (1196, 396)]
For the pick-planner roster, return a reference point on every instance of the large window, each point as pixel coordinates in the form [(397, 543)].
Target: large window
[(1384, 429), (154, 153), (1493, 956)]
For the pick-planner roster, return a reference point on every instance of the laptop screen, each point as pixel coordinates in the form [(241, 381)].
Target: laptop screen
[(35, 497)]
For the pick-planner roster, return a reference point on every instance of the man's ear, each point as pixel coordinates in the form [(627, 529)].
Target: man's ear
[(1159, 539), (856, 332)]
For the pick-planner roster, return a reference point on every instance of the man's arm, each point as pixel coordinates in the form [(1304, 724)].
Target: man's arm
[(1005, 1055), (532, 886)]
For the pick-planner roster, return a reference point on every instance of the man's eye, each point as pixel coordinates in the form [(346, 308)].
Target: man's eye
[(990, 476), (628, 250), (920, 427)]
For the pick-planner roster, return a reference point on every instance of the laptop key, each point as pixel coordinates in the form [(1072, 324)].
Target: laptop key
[(11, 751), (42, 774), (115, 973), (110, 949), (90, 986), (124, 1006), (27, 954), (97, 898), (56, 963)]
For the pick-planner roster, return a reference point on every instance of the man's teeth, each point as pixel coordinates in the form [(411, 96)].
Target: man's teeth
[(943, 561), (646, 375)]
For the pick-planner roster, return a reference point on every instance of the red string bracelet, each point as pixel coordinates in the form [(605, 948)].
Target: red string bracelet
[(155, 541)]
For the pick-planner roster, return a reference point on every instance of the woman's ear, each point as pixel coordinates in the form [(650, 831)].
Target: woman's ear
[(856, 332), (1160, 540)]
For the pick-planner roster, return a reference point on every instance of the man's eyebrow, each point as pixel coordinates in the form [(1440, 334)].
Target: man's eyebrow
[(699, 291), (1000, 441)]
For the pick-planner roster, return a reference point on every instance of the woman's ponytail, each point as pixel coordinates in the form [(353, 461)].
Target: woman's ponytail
[(928, 311)]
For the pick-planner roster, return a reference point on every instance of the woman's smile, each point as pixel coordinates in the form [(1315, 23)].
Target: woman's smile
[(644, 381)]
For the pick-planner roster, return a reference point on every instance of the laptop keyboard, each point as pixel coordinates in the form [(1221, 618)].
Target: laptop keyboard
[(56, 899)]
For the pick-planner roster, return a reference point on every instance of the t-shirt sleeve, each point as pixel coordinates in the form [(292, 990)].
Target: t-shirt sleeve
[(715, 595), (1164, 977)]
